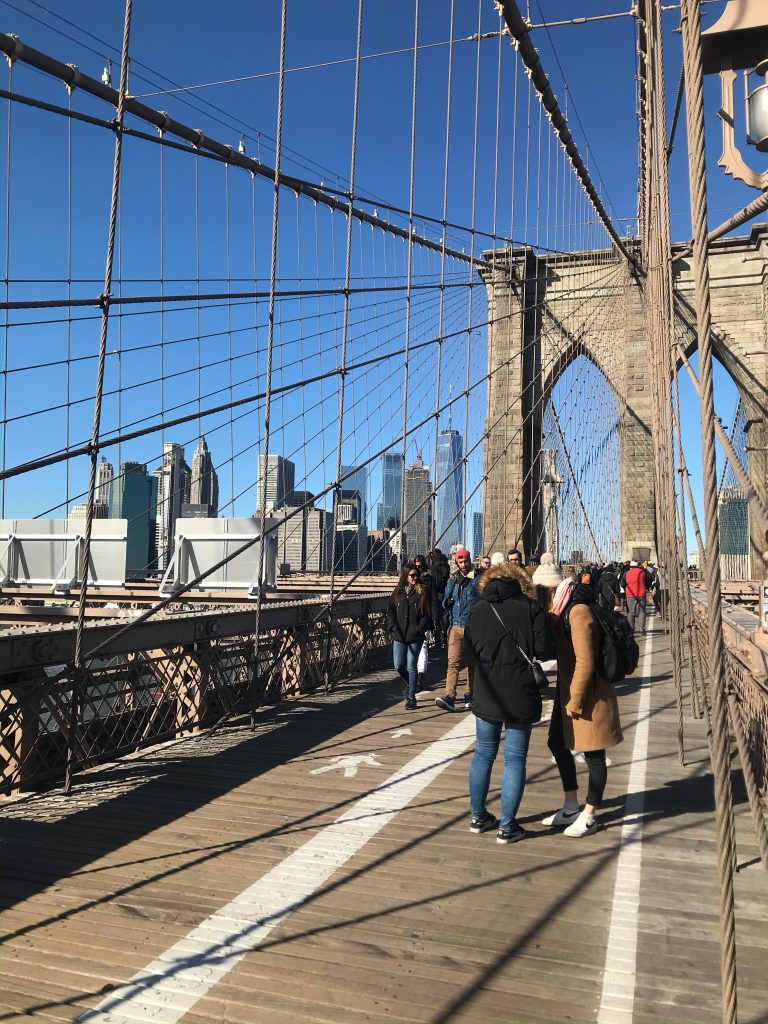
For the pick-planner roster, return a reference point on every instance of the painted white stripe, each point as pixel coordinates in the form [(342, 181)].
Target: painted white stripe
[(617, 1000), (171, 985)]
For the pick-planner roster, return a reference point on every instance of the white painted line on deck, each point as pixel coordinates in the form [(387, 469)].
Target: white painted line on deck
[(171, 985), (617, 999)]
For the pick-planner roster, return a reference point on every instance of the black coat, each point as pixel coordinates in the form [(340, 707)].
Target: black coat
[(406, 621), (504, 690), (608, 589), (430, 586)]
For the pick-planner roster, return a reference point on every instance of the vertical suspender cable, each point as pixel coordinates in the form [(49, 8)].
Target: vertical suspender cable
[(441, 312), (7, 288), (344, 337), (270, 347), (461, 524), (409, 273), (694, 98), (85, 551)]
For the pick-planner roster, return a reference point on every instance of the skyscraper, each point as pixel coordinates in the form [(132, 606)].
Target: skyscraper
[(351, 531), (449, 500), (388, 517), (477, 534), (356, 479), (417, 512), (281, 476), (172, 492), (104, 473), (134, 497), (204, 483)]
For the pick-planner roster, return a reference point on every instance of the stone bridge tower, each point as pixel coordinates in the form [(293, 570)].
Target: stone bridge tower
[(546, 311)]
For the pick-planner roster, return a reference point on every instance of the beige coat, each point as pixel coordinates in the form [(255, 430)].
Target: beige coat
[(581, 690)]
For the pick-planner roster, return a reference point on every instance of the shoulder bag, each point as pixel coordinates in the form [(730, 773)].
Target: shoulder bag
[(538, 673)]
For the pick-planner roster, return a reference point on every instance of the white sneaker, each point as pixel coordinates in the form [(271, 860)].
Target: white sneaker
[(561, 817), (581, 827)]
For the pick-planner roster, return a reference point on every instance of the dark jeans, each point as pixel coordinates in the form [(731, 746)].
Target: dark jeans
[(405, 657), (487, 739), (598, 772)]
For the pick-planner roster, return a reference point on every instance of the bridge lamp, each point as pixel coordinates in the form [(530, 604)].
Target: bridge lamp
[(738, 41)]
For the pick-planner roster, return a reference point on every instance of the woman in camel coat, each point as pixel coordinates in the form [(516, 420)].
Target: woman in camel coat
[(586, 713)]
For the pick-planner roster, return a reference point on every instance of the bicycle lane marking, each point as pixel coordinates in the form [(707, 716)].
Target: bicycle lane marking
[(617, 999), (168, 987)]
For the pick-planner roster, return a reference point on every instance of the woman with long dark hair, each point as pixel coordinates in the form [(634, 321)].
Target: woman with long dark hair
[(586, 713), (409, 617)]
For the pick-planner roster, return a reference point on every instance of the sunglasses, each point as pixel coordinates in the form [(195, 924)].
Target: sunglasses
[(413, 575)]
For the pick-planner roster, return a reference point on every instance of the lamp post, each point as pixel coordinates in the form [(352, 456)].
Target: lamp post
[(738, 41)]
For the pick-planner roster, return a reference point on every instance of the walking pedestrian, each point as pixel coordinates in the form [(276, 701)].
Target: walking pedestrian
[(608, 590), (428, 583), (485, 563), (515, 556), (585, 716), (441, 572), (408, 619), (460, 595), (636, 590), (505, 621)]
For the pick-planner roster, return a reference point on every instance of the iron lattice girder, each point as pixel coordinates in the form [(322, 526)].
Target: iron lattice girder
[(55, 645)]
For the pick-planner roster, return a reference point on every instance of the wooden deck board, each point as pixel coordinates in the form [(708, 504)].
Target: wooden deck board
[(424, 923)]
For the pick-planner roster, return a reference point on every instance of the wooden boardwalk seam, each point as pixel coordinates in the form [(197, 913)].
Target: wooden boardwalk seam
[(420, 921)]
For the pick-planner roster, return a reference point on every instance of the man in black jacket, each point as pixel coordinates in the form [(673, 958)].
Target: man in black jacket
[(504, 628)]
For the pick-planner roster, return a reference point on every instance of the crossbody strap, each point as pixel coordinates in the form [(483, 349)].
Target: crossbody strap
[(506, 630)]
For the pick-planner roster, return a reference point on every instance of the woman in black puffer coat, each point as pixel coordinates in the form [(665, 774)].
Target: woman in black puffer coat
[(504, 693)]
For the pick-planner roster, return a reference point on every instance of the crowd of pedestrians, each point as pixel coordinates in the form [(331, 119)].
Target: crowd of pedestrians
[(499, 620)]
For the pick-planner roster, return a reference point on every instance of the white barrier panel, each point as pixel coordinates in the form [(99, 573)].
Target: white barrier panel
[(202, 543), (42, 552)]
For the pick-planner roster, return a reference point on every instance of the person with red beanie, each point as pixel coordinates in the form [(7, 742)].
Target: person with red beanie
[(460, 594)]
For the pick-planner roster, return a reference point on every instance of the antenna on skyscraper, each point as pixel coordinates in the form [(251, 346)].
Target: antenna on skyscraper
[(450, 404)]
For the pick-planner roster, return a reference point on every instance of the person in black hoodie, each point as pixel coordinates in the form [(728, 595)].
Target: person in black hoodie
[(506, 620), (408, 619), (608, 587)]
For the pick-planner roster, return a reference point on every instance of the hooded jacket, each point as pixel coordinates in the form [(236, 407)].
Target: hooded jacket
[(504, 690)]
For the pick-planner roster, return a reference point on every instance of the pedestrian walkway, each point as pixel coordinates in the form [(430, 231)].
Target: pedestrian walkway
[(321, 868)]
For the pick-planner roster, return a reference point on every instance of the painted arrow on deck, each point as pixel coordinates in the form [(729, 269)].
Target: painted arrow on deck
[(401, 732), (349, 763)]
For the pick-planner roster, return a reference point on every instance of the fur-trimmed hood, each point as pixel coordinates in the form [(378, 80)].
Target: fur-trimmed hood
[(505, 574)]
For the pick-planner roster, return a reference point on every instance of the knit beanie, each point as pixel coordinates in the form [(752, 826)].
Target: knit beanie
[(497, 558), (547, 574)]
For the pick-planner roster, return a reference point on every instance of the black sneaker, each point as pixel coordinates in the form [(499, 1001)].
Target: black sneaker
[(410, 703), (446, 703), (512, 835), (484, 824)]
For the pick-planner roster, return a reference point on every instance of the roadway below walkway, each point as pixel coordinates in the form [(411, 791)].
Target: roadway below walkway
[(321, 868)]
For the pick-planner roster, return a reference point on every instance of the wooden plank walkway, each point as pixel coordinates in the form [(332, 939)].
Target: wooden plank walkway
[(395, 913)]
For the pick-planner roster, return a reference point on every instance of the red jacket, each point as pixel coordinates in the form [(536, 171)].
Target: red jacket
[(635, 582)]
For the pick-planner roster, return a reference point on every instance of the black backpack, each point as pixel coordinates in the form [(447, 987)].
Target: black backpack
[(619, 654)]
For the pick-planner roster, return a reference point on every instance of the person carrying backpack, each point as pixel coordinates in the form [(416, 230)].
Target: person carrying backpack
[(585, 715)]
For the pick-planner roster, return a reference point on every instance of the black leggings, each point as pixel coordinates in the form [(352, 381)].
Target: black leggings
[(598, 772)]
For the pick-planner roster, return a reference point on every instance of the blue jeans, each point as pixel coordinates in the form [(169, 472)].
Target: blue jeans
[(487, 738), (405, 657)]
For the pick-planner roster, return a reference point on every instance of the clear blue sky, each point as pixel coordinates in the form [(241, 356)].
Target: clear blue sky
[(189, 44)]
